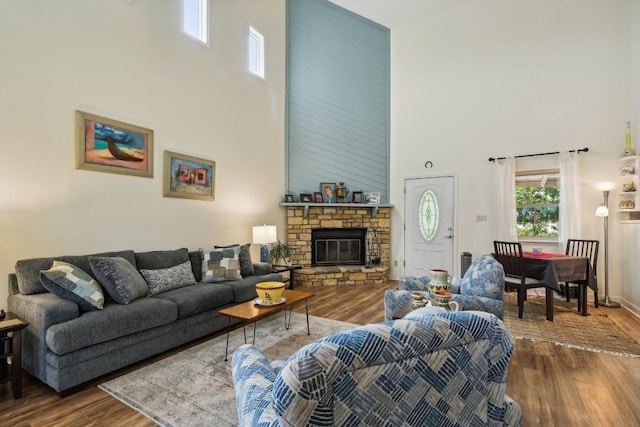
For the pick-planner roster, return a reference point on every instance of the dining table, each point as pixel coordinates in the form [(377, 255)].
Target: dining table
[(553, 268)]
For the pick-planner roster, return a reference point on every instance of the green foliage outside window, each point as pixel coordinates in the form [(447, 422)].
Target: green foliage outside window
[(538, 211)]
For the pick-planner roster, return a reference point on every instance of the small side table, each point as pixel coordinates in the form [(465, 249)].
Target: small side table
[(290, 269), (11, 348)]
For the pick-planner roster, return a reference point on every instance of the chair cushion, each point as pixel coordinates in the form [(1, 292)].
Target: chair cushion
[(485, 277), (71, 283)]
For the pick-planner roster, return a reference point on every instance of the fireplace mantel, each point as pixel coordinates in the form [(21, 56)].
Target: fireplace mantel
[(306, 205)]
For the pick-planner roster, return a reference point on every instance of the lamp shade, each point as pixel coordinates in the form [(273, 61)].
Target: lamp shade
[(605, 185), (265, 234), (602, 210)]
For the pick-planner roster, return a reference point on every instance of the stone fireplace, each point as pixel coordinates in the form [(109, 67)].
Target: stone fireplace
[(343, 231)]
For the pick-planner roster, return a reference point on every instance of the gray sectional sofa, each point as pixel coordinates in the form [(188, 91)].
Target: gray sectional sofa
[(66, 346)]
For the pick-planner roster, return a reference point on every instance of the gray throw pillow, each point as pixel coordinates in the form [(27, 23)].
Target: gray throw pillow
[(165, 279), (71, 283), (119, 278)]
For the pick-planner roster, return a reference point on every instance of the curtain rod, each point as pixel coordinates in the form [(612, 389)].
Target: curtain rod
[(579, 150)]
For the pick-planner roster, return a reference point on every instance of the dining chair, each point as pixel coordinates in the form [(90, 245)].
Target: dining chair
[(588, 249), (509, 254)]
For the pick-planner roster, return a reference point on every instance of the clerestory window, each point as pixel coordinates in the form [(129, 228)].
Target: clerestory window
[(256, 53), (195, 19)]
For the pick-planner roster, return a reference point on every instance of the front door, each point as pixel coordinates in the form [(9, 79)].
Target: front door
[(428, 230)]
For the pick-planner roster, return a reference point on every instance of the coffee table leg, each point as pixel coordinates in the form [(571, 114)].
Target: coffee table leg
[(255, 326), (287, 325), (226, 350), (306, 309)]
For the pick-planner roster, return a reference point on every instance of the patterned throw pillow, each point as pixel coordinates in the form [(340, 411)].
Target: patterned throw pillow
[(165, 279), (119, 278), (220, 264), (71, 283)]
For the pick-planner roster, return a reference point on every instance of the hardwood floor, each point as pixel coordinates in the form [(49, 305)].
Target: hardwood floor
[(554, 385)]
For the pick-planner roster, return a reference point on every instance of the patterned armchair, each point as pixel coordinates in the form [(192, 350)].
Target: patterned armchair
[(481, 289), (444, 369)]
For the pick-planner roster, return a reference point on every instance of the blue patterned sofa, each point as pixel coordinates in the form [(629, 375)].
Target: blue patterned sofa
[(481, 289), (443, 369)]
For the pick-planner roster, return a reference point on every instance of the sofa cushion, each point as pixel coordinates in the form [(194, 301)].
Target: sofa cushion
[(245, 289), (196, 299), (69, 282), (119, 278), (165, 279), (28, 270), (154, 260), (114, 321), (220, 264), (485, 277)]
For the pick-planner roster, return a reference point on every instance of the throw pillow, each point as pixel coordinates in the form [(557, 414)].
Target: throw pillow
[(220, 264), (165, 279), (71, 283), (119, 278), (246, 264), (485, 277)]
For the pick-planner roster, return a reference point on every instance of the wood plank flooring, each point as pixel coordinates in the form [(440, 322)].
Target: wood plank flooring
[(554, 385)]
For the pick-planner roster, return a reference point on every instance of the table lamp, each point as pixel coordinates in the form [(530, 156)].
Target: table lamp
[(264, 235), (603, 211)]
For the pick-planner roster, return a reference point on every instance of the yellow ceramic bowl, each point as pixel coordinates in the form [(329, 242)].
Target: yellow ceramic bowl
[(270, 292)]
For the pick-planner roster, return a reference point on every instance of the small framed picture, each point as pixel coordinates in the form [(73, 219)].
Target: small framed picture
[(357, 197), (372, 197), (328, 190), (317, 197), (305, 197), (288, 198)]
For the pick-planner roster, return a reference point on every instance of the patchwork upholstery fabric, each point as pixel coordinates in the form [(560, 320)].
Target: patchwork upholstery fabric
[(481, 289), (165, 279), (71, 283), (442, 369), (221, 264), (119, 278)]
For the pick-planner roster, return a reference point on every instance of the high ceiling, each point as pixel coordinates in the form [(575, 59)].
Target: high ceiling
[(389, 12)]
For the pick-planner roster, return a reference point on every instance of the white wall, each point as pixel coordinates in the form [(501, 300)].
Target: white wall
[(129, 61), (474, 80)]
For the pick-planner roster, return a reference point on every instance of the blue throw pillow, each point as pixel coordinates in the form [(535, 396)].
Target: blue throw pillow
[(71, 283), (119, 278)]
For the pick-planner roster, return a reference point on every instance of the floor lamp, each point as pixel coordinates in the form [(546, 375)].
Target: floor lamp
[(603, 211)]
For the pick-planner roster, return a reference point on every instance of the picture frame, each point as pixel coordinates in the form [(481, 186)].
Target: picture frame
[(108, 145), (288, 198), (328, 190), (357, 197), (188, 177), (306, 198), (372, 197), (317, 197)]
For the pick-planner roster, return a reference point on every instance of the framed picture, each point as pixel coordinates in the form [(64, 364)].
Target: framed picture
[(357, 197), (372, 197), (188, 177), (328, 190), (305, 197), (317, 197), (288, 198), (107, 145)]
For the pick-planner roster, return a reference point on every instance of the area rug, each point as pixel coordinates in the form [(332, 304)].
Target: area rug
[(595, 332), (195, 387)]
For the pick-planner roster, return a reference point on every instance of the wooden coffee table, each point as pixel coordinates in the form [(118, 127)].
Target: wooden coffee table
[(250, 312)]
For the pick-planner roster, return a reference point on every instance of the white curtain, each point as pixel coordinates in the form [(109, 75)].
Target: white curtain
[(569, 197), (507, 220)]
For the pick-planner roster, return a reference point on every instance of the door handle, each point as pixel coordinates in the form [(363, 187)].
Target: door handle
[(450, 236)]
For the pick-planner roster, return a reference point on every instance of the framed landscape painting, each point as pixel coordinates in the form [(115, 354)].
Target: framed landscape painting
[(188, 177), (107, 145)]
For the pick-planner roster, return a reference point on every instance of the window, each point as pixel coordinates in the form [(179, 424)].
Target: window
[(195, 19), (538, 204), (256, 52)]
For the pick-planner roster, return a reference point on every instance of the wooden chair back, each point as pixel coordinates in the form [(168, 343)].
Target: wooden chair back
[(509, 254), (585, 248)]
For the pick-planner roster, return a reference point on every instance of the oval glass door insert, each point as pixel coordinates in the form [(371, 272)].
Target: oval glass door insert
[(428, 215)]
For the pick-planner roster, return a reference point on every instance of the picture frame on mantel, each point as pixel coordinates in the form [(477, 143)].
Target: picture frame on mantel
[(372, 197), (317, 197), (328, 190), (306, 198), (188, 177), (357, 197), (108, 145)]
